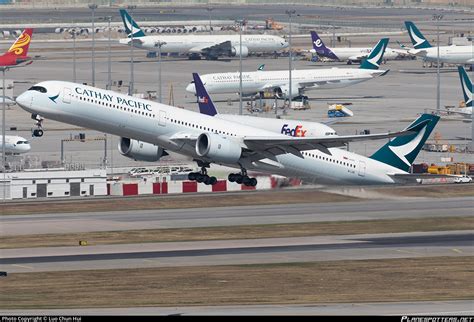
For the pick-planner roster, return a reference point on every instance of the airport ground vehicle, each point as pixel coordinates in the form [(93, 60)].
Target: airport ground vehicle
[(463, 179)]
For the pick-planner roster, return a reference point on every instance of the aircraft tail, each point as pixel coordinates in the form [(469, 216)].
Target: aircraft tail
[(376, 55), (21, 45), (206, 106), (466, 86), (418, 40), (130, 25), (401, 151), (320, 48)]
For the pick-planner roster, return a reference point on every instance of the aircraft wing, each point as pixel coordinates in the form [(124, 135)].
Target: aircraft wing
[(220, 49), (275, 145), (358, 57)]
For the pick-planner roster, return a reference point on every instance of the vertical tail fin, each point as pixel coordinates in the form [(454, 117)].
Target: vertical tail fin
[(466, 86), (130, 25), (320, 48), (22, 44), (418, 40), (376, 55), (401, 151), (206, 106)]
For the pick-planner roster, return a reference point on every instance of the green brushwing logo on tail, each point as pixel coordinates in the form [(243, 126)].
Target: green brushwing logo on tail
[(130, 25), (466, 85), (401, 151), (417, 38), (376, 55)]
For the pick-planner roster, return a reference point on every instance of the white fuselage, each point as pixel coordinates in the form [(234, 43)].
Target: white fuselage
[(447, 54), (14, 144), (193, 44), (302, 80), (163, 125), (356, 53)]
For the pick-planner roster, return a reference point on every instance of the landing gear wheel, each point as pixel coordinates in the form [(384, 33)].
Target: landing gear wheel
[(193, 175), (38, 133)]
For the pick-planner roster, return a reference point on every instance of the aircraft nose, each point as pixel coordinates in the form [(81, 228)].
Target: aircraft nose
[(24, 100)]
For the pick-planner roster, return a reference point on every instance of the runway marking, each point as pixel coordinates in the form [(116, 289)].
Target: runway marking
[(457, 250), (23, 266), (408, 252)]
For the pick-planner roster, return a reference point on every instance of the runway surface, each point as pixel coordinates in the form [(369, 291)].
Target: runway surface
[(246, 251), (230, 216), (463, 308)]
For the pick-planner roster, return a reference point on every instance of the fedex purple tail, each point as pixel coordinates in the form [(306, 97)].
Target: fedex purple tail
[(320, 48), (206, 106)]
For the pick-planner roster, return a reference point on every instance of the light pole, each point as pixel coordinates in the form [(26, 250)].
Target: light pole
[(290, 13), (130, 86), (4, 185), (159, 44), (109, 62), (93, 6), (438, 108), (209, 9), (73, 33), (240, 22)]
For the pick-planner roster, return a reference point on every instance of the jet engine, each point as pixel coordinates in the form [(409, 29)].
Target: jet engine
[(217, 148), (140, 151), (284, 91), (235, 51)]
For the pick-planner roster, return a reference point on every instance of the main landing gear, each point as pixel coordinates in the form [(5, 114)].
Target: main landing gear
[(242, 177), (38, 132), (202, 176)]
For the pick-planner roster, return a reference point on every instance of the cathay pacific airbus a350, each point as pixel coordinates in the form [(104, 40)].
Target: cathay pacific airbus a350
[(302, 80), (197, 46), (149, 129), (447, 54)]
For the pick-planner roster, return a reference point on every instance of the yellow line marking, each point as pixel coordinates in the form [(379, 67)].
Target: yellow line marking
[(457, 250)]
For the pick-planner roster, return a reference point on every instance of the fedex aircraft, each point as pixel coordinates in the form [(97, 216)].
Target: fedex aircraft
[(18, 53), (197, 46), (302, 80), (149, 129), (349, 54), (14, 144), (447, 54)]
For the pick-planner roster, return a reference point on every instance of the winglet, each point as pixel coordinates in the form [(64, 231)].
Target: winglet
[(320, 48), (466, 86), (130, 24), (22, 44), (376, 55), (418, 40), (401, 151), (206, 106)]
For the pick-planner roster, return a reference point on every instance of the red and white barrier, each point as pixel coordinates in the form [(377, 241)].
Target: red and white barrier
[(147, 187)]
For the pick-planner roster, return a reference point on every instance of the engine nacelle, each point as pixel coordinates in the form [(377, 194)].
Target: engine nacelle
[(217, 148), (235, 51), (140, 151), (284, 91)]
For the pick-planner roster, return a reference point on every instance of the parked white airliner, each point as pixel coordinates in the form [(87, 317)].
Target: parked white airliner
[(447, 54), (14, 144), (349, 54), (302, 80), (148, 129), (195, 46)]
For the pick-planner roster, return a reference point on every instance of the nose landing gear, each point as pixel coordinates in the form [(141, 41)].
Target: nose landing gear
[(38, 132)]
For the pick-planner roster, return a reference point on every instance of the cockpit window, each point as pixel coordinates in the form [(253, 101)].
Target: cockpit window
[(40, 89), (22, 142)]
